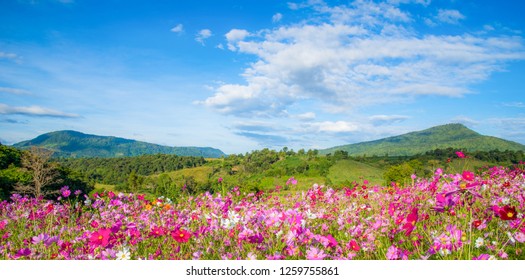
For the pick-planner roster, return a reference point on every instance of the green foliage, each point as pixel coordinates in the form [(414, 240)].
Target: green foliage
[(13, 174), (401, 173), (439, 137), (73, 144), (117, 170)]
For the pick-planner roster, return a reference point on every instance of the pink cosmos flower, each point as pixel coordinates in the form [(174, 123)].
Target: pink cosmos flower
[(520, 237), (460, 154), (482, 257), (352, 245), (315, 254), (157, 231), (392, 253), (65, 191), (219, 180), (181, 236), (291, 181), (468, 176), (411, 221), (100, 237)]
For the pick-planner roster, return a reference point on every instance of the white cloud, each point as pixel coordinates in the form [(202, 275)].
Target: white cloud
[(178, 29), (203, 35), (365, 54), (14, 91), (335, 127), (277, 17), (234, 36), (465, 120), (34, 111), (8, 55), (308, 116), (517, 104), (449, 16)]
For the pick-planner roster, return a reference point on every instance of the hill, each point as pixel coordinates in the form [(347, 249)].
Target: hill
[(74, 144), (438, 137)]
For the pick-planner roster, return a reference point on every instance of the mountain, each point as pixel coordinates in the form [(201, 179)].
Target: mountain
[(74, 144), (443, 136)]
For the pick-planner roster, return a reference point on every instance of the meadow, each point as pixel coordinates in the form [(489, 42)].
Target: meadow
[(447, 216)]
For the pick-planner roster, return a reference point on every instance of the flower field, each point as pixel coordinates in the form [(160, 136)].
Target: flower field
[(448, 216)]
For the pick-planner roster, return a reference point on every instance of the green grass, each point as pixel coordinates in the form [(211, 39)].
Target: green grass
[(200, 174), (459, 165), (349, 170)]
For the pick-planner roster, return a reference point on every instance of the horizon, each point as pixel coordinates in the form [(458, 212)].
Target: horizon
[(298, 148), (241, 76)]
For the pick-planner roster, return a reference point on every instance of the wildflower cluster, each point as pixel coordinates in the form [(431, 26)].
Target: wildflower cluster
[(448, 216)]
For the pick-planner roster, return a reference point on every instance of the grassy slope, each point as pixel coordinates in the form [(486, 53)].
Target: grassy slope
[(349, 170)]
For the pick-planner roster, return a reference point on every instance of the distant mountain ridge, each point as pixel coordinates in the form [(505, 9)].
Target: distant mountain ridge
[(443, 136), (74, 144)]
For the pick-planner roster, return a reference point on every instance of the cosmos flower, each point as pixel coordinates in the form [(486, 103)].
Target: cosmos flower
[(181, 236), (100, 237), (507, 213), (315, 254), (124, 254)]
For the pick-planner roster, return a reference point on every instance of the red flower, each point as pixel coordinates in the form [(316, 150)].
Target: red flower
[(181, 235), (507, 213), (411, 221), (353, 245), (100, 237), (476, 223)]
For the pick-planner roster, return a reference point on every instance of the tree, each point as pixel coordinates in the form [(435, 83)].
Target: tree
[(43, 172)]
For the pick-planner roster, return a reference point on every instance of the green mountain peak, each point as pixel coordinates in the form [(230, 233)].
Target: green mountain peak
[(70, 143), (453, 135)]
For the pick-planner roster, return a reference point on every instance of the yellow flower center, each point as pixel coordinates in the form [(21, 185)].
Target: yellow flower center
[(510, 214), (100, 237), (181, 235)]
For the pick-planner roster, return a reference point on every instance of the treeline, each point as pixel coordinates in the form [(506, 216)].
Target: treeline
[(494, 156), (31, 172), (115, 171)]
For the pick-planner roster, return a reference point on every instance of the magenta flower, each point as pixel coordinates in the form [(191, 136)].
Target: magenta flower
[(444, 202), (315, 254), (219, 180), (412, 218), (291, 181), (482, 257), (24, 252), (352, 245), (181, 236), (65, 191), (468, 176), (100, 237), (256, 238), (157, 231), (460, 154)]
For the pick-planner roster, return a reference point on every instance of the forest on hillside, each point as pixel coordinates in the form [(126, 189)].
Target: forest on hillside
[(171, 175)]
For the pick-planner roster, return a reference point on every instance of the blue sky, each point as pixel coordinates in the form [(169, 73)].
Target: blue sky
[(245, 75)]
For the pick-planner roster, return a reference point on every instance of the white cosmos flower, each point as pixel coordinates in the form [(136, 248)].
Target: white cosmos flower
[(479, 242), (124, 254), (310, 215)]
